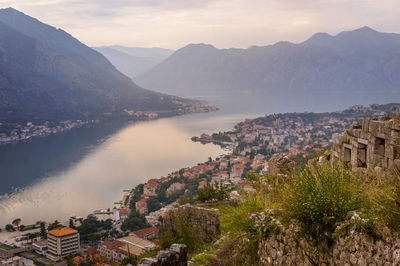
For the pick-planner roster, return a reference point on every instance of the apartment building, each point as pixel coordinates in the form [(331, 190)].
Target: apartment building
[(62, 242)]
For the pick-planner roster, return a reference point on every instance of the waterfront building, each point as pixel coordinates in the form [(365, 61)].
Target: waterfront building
[(12, 261), (62, 242), (121, 214), (40, 247)]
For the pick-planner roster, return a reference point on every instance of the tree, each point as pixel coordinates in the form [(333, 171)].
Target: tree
[(135, 221), (71, 223), (216, 192), (16, 222), (43, 233), (54, 225), (153, 204), (9, 227)]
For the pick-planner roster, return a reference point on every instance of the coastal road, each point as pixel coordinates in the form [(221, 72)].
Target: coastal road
[(9, 238)]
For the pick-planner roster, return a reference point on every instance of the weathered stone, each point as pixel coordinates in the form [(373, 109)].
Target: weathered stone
[(350, 248), (175, 255), (376, 144), (280, 164), (204, 223)]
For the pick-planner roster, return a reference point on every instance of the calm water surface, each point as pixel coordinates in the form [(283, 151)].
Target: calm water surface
[(77, 172)]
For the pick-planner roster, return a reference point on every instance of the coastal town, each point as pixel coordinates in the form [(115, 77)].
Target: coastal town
[(19, 132), (131, 228), (298, 135)]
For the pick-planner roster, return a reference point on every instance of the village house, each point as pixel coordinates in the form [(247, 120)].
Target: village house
[(150, 187), (120, 248), (175, 187), (123, 213), (147, 233), (111, 251), (141, 206), (202, 184), (223, 164)]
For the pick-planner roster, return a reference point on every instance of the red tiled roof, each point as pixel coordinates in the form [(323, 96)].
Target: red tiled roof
[(123, 211), (92, 252), (65, 231), (112, 245), (144, 232), (78, 259)]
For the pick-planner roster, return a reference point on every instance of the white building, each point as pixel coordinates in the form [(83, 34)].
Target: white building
[(13, 261), (62, 242), (40, 247)]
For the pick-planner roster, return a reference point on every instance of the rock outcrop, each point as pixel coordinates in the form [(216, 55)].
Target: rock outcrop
[(351, 246), (176, 255), (280, 165), (203, 223)]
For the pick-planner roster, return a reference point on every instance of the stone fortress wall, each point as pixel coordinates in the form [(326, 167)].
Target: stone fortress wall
[(375, 144)]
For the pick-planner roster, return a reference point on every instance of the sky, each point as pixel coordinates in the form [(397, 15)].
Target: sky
[(222, 23)]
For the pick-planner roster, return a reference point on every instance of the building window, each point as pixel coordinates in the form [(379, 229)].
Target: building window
[(379, 146), (362, 155)]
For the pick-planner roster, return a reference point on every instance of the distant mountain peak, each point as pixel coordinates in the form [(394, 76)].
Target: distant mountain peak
[(197, 48), (9, 9), (200, 45), (366, 29), (319, 38), (360, 65)]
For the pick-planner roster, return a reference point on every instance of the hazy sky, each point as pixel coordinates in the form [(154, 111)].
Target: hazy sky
[(223, 23)]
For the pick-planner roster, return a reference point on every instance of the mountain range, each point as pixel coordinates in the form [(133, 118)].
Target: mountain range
[(133, 61), (46, 74), (322, 73)]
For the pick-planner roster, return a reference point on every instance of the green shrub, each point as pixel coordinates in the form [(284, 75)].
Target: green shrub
[(185, 199), (235, 218), (183, 235), (350, 133), (387, 205), (247, 223), (212, 192), (318, 199)]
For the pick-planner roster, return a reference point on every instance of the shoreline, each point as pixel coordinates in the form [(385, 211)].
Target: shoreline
[(29, 131), (119, 196)]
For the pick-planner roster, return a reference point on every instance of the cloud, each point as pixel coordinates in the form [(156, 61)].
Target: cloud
[(224, 23)]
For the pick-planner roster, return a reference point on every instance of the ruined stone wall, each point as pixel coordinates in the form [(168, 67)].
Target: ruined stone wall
[(352, 247), (373, 145), (176, 255), (203, 222)]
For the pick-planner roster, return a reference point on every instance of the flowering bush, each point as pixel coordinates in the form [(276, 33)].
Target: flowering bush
[(260, 226)]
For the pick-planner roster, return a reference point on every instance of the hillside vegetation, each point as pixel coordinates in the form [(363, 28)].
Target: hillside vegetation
[(319, 200)]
